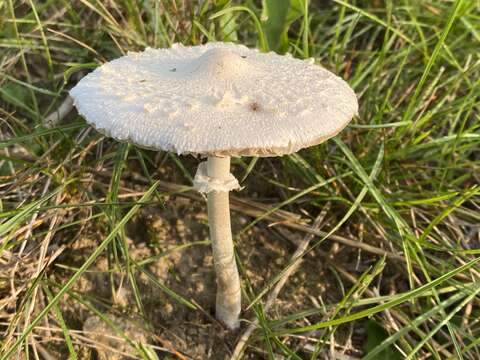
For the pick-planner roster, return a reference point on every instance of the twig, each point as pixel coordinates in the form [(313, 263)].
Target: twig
[(295, 261), (45, 354), (257, 209)]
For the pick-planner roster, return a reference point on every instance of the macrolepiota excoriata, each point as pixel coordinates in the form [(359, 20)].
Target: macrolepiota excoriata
[(216, 100)]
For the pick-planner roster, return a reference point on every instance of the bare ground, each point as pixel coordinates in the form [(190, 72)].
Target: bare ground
[(263, 251)]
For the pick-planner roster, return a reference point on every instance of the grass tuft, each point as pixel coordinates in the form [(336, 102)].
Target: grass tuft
[(94, 229)]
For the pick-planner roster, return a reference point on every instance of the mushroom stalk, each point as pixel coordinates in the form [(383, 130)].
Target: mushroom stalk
[(228, 304)]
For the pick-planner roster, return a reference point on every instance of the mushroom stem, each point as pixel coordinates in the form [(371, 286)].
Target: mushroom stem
[(228, 281)]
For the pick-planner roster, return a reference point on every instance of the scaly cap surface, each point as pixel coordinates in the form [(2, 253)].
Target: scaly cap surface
[(216, 99)]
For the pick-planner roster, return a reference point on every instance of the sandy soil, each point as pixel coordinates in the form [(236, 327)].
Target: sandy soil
[(188, 272)]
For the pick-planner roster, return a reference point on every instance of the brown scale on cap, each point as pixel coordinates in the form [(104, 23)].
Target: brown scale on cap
[(254, 106)]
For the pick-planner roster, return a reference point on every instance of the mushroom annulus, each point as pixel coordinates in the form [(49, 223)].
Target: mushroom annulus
[(218, 101)]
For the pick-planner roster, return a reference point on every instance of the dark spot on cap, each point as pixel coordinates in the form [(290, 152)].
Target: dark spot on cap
[(243, 56), (173, 69), (254, 106), (142, 80)]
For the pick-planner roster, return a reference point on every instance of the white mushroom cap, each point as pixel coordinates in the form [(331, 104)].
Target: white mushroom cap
[(216, 99)]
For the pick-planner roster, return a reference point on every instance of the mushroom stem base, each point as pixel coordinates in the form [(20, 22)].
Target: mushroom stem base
[(228, 304)]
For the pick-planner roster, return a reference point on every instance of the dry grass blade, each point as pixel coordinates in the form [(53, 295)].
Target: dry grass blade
[(63, 188), (294, 264)]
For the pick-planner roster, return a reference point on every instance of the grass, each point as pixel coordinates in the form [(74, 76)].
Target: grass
[(402, 181)]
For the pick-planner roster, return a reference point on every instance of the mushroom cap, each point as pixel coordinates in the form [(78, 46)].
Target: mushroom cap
[(217, 99)]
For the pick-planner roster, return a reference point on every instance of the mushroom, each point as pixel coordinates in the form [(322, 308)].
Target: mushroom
[(216, 100)]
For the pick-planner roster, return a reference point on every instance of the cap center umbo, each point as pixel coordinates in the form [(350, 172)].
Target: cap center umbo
[(219, 64)]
